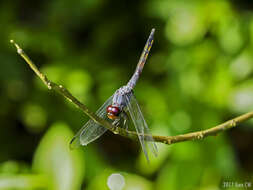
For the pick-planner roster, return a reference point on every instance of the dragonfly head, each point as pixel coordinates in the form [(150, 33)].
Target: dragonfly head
[(112, 112)]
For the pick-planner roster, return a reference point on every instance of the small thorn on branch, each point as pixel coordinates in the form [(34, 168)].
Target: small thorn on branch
[(49, 85), (233, 123), (200, 135), (19, 50)]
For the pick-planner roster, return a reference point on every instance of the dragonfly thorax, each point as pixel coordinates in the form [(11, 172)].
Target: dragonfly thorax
[(113, 112)]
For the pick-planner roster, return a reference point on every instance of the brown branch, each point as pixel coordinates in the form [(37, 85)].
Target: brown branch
[(205, 133), (131, 134)]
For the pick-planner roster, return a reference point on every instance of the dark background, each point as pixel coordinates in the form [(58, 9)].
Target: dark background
[(199, 74)]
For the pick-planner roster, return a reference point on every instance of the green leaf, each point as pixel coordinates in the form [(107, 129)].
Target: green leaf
[(132, 181), (23, 182), (63, 167), (100, 181), (136, 182), (180, 175)]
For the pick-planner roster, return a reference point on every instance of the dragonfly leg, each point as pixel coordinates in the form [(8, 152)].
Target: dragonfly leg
[(122, 122), (116, 122), (125, 120)]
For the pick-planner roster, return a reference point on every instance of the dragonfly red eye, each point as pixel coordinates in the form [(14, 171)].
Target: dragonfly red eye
[(112, 112)]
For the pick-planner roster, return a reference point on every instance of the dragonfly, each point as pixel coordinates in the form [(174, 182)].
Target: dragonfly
[(117, 110)]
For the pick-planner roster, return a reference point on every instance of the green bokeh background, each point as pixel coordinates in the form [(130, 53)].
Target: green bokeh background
[(199, 74)]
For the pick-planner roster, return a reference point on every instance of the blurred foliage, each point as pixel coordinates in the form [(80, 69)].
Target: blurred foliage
[(54, 159), (199, 74)]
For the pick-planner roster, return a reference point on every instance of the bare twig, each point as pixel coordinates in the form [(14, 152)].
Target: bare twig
[(131, 134)]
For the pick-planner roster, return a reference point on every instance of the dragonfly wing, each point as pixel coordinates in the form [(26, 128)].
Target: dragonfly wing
[(140, 125), (91, 130)]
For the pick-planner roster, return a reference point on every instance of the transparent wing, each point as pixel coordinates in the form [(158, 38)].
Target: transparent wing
[(91, 130), (140, 125)]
